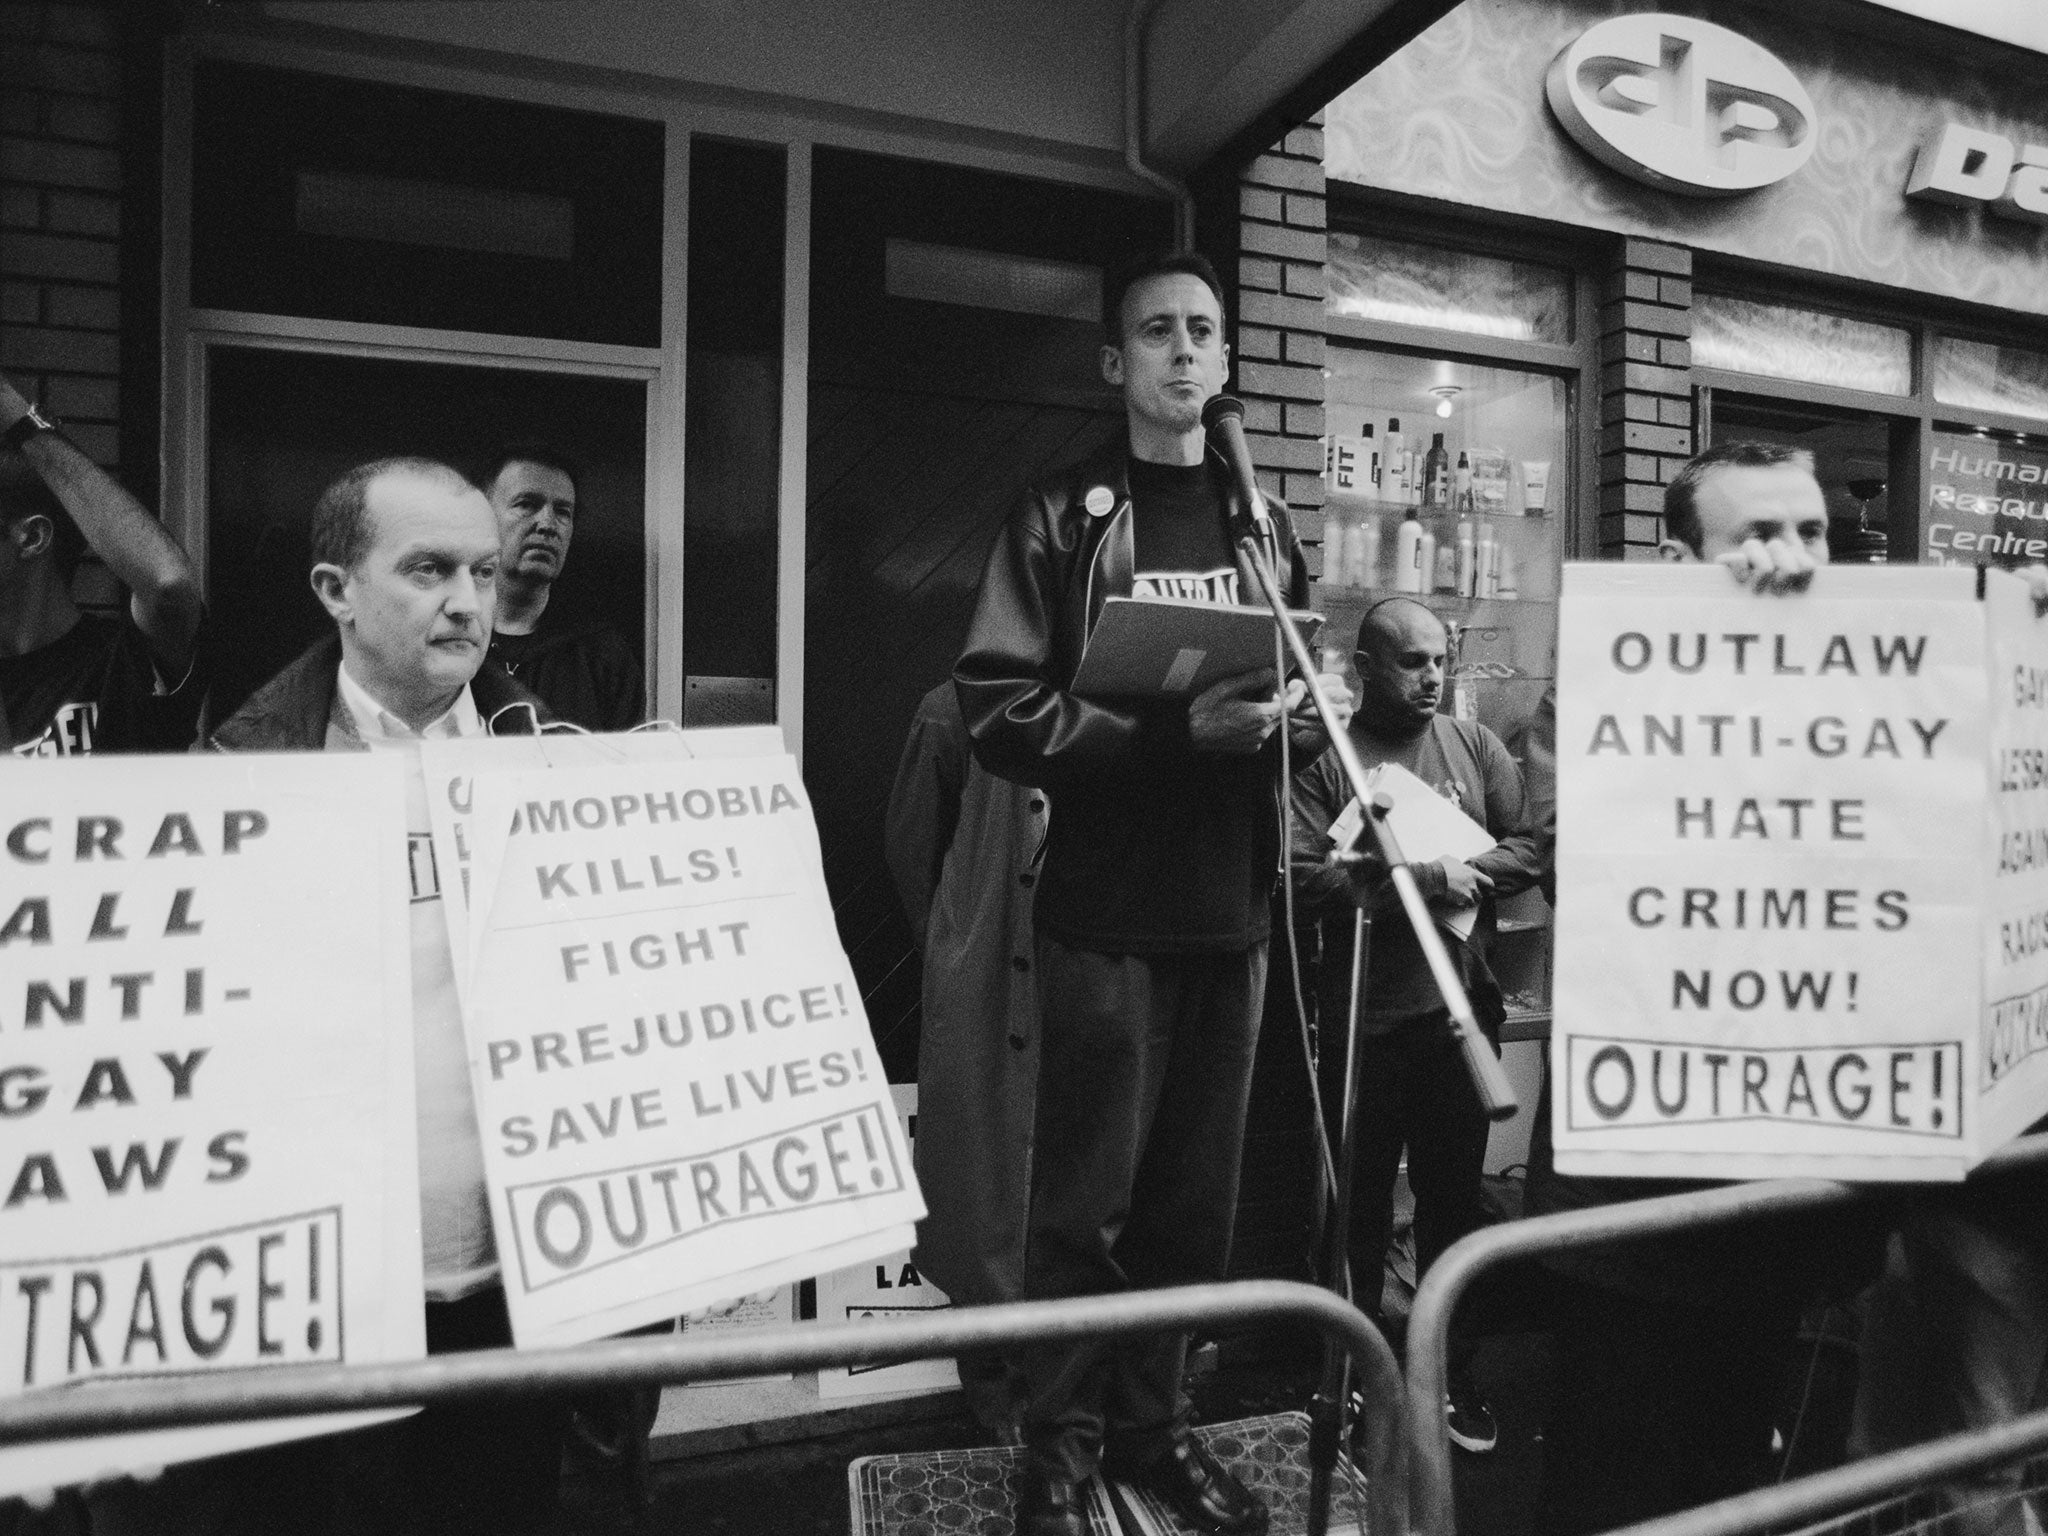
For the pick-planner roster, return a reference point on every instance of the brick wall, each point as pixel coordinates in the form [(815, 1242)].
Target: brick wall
[(1281, 245), (61, 176), (1646, 426)]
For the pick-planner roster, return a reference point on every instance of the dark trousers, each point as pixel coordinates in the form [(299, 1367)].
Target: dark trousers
[(1413, 1093), (1144, 1072), (1658, 1406)]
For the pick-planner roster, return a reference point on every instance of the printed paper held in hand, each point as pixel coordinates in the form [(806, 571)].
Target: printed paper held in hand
[(1426, 825), (678, 1094), (1174, 647)]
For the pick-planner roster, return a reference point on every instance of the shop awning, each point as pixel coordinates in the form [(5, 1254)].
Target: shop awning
[(1223, 75), (1219, 76)]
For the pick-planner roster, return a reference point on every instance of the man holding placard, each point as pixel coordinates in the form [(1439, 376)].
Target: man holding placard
[(405, 561), (1414, 1091), (1671, 1352), (1151, 909)]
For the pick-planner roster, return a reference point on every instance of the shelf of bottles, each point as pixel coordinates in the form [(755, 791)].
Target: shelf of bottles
[(1472, 532), (1468, 531)]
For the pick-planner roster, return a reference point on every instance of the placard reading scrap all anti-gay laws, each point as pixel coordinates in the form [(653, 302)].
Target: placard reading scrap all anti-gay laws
[(206, 1083), (679, 1097), (1802, 863)]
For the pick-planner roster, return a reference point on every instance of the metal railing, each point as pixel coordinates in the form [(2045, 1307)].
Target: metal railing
[(1876, 1486), (215, 1397), (1432, 1511)]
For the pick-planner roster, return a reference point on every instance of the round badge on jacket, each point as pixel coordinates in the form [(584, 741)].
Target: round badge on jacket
[(1099, 500)]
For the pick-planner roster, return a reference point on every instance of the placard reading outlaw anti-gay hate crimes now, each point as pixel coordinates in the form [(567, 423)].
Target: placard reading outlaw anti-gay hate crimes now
[(679, 1096), (206, 1083), (1802, 864)]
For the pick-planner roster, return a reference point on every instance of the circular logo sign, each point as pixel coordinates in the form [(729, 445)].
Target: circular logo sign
[(1099, 500), (1682, 104)]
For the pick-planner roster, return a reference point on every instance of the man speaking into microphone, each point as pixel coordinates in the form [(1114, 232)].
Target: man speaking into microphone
[(1152, 903)]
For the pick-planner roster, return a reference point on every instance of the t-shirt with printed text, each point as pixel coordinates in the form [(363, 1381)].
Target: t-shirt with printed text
[(96, 689), (1175, 852)]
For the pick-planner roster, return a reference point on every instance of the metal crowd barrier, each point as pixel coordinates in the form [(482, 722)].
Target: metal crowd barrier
[(1432, 1511), (103, 1408), (1900, 1492)]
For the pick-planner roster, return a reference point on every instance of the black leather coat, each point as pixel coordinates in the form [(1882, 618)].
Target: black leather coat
[(1055, 563)]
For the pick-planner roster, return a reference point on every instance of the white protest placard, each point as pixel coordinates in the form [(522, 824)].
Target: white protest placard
[(1802, 873), (206, 1084), (678, 1094), (2010, 1076), (889, 1286), (449, 763)]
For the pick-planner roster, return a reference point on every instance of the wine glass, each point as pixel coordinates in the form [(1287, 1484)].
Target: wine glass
[(1867, 545)]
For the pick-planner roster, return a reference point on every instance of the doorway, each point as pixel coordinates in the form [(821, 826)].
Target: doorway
[(952, 362)]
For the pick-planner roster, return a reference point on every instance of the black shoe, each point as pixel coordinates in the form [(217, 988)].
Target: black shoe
[(1049, 1504), (1470, 1421), (1200, 1489)]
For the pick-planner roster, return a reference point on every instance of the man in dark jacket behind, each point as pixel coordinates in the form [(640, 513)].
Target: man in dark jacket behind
[(1151, 909), (405, 556), (586, 672)]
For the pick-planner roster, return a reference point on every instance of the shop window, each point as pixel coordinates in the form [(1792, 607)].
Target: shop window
[(1449, 479), (1373, 278), (357, 200), (1852, 450), (1984, 376), (1984, 497), (1811, 346)]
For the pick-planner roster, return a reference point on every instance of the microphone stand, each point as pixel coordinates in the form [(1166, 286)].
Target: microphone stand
[(1326, 1407), (1495, 1093)]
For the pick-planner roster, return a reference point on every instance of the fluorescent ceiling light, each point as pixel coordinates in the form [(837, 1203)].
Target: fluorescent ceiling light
[(1024, 285), (487, 219)]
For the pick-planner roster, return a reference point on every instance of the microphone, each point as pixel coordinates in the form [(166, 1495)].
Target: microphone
[(1223, 420)]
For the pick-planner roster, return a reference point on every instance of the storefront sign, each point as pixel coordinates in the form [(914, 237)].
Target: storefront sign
[(1682, 104), (1987, 503), (206, 1083), (1454, 117), (679, 1097), (1962, 166), (1802, 873)]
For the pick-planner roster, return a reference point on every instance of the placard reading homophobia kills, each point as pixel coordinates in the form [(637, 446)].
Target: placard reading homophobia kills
[(679, 1097), (1803, 900)]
